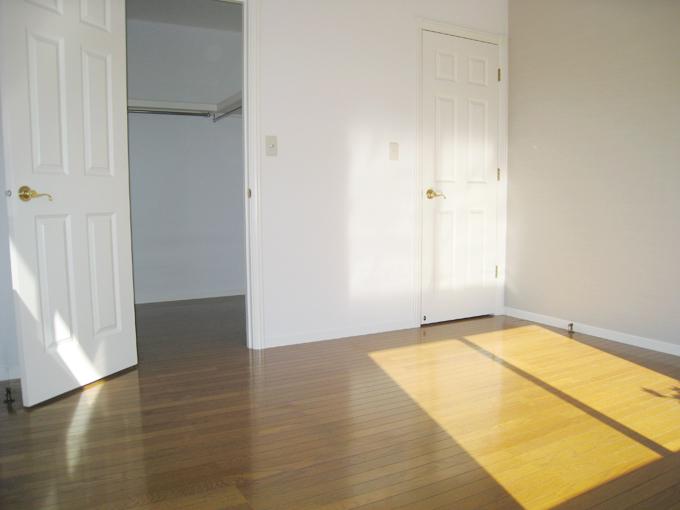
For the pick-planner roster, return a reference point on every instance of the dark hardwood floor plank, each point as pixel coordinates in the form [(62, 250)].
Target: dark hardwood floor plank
[(486, 413)]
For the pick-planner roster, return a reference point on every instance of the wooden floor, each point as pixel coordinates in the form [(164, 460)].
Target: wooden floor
[(486, 413)]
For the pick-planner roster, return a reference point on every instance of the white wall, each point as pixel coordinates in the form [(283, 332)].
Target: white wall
[(186, 174), (9, 358), (594, 198), (339, 82)]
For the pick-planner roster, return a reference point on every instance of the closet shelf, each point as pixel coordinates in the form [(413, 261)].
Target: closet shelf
[(230, 106)]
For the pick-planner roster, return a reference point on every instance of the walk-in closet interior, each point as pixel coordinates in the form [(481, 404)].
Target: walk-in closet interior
[(185, 75)]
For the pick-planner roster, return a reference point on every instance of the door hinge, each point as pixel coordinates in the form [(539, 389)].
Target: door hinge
[(250, 193), (498, 174), (499, 74), (497, 271)]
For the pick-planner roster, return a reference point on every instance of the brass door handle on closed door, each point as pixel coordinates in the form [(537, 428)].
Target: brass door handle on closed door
[(430, 194), (26, 194)]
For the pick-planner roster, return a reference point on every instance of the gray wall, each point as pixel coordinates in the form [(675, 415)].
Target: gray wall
[(594, 198), (186, 174), (188, 226), (181, 63)]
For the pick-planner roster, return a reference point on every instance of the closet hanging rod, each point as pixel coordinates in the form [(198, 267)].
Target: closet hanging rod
[(170, 112)]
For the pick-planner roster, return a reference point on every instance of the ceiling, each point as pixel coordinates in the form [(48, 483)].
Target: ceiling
[(213, 14)]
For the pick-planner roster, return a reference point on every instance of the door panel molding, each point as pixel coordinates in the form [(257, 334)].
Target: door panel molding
[(47, 103)]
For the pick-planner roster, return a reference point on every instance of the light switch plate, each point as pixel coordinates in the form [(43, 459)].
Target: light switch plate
[(271, 144), (394, 151)]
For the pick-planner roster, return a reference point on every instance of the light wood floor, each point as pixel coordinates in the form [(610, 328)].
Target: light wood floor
[(485, 413)]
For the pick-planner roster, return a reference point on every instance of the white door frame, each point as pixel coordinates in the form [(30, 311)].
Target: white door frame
[(502, 196), (251, 117), (251, 138)]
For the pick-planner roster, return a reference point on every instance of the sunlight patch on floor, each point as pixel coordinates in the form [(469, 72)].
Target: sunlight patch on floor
[(635, 396), (76, 435), (512, 398)]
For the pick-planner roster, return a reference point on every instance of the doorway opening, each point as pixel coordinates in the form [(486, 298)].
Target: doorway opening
[(187, 174)]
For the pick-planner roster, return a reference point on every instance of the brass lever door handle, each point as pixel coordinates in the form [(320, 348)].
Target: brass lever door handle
[(430, 194), (26, 194)]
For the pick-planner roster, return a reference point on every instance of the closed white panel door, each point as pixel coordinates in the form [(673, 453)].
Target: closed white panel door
[(64, 114), (460, 160)]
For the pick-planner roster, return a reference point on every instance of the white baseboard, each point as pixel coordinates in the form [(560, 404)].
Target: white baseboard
[(186, 295), (7, 373), (607, 334), (306, 337)]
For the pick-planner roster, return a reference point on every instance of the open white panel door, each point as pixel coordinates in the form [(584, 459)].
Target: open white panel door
[(460, 160), (64, 120)]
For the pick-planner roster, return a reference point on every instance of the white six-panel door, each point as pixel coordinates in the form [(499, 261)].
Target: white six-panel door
[(460, 159), (64, 120)]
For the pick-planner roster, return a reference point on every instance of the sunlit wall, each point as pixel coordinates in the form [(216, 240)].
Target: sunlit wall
[(339, 83)]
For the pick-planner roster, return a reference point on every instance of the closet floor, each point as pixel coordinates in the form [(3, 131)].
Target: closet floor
[(485, 413)]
